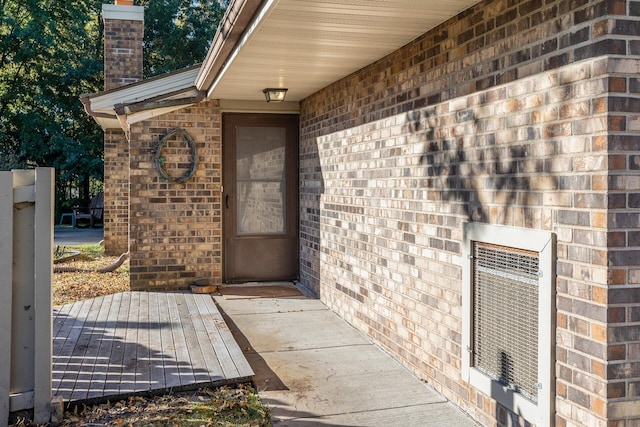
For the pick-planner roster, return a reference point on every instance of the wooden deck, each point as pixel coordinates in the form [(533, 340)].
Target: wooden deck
[(140, 342)]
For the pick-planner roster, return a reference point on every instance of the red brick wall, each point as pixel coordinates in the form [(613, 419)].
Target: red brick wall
[(514, 113), (176, 228)]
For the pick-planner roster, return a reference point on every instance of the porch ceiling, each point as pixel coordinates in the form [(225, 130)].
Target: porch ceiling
[(304, 45)]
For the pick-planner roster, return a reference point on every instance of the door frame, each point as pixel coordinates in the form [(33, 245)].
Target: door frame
[(229, 121)]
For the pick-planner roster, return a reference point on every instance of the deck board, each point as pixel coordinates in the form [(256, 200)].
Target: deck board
[(82, 358), (140, 342), (212, 365), (156, 370), (196, 352), (233, 361), (65, 347), (183, 373), (101, 348), (171, 372), (224, 355), (130, 361)]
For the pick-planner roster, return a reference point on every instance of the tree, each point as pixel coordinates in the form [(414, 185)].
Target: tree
[(51, 52), (178, 33)]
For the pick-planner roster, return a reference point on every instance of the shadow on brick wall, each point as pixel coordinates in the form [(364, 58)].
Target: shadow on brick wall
[(469, 167)]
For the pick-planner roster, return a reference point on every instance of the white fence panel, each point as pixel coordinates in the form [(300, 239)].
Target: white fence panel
[(6, 273), (26, 267)]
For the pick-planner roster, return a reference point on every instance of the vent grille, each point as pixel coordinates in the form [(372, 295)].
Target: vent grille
[(505, 316)]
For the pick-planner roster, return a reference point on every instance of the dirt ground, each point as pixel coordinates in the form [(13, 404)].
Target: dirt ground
[(77, 286)]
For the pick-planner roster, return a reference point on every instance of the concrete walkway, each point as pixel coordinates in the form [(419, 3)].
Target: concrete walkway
[(313, 368)]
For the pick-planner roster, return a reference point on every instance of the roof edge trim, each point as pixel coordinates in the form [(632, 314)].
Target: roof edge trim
[(234, 23), (145, 82), (86, 102), (151, 104)]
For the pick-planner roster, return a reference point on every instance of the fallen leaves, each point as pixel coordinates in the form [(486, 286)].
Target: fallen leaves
[(78, 286), (72, 287), (223, 406)]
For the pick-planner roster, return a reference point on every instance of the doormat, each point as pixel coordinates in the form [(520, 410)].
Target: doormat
[(259, 291)]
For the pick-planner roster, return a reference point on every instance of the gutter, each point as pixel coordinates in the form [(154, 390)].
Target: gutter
[(85, 98), (158, 102), (236, 20), (117, 111)]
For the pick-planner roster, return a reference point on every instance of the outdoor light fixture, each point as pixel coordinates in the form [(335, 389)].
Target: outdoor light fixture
[(275, 94)]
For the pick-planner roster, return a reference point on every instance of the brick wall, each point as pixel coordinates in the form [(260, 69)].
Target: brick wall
[(122, 52), (122, 65), (116, 192), (176, 228), (623, 223), (514, 113)]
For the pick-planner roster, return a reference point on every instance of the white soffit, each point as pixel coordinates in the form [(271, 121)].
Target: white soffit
[(305, 45)]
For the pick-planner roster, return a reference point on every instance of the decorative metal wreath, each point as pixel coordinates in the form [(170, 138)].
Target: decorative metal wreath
[(159, 160)]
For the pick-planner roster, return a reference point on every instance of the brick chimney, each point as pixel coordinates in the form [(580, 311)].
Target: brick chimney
[(123, 36)]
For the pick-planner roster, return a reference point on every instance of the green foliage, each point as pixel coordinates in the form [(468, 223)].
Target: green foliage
[(51, 51), (178, 33), (89, 250)]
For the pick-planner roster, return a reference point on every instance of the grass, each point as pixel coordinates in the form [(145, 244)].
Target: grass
[(224, 406), (90, 251)]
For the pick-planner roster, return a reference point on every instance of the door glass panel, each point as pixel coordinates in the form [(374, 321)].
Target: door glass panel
[(260, 180)]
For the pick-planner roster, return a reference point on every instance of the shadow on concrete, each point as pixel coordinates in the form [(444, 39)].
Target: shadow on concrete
[(264, 377)]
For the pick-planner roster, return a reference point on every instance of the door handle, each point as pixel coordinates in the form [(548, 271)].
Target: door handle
[(226, 201)]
